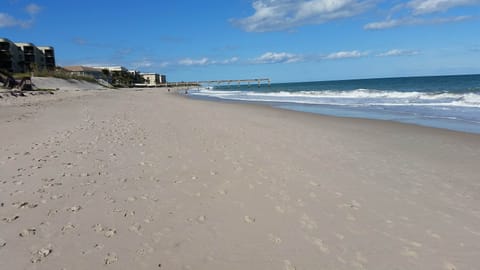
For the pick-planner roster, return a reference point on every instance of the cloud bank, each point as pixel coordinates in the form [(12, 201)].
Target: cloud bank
[(189, 62), (284, 15), (276, 15), (433, 6), (411, 21), (345, 55), (274, 58), (398, 52), (7, 20), (418, 12)]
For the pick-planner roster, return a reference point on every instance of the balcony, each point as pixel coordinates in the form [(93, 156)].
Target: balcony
[(49, 53), (28, 50), (4, 46)]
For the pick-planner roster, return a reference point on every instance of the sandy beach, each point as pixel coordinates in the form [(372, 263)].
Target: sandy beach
[(127, 179)]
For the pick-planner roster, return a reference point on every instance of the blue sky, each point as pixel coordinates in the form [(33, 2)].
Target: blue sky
[(285, 40)]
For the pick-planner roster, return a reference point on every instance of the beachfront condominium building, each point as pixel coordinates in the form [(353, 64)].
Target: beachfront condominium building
[(49, 53), (11, 57), (34, 57), (25, 57), (163, 78), (153, 79)]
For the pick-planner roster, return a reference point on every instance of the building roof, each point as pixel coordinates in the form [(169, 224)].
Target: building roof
[(113, 68), (24, 44), (81, 68), (5, 40), (45, 47)]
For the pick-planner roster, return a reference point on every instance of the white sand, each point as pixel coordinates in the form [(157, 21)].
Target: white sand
[(150, 180)]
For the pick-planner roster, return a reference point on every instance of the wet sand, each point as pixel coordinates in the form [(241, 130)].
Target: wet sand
[(125, 179)]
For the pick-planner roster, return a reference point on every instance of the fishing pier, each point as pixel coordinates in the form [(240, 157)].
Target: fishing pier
[(238, 82)]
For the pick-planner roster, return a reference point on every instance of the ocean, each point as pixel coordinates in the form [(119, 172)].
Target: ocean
[(449, 102)]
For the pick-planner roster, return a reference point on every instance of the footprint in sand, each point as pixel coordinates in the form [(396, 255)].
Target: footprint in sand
[(449, 266), (279, 209), (52, 212), (308, 222), (56, 196), (110, 258), (41, 254), (321, 245), (28, 232), (288, 265), (222, 192), (149, 220), (23, 205), (10, 219), (361, 258), (315, 184), (249, 219), (88, 193), (432, 234), (201, 219), (136, 228), (107, 232), (18, 182), (74, 209), (340, 236), (145, 249), (352, 205), (68, 227), (275, 239), (2, 243), (409, 253)]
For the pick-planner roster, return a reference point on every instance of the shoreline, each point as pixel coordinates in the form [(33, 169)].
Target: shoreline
[(146, 179), (447, 102), (282, 106)]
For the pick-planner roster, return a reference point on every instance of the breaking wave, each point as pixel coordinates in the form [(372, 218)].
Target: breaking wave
[(358, 97)]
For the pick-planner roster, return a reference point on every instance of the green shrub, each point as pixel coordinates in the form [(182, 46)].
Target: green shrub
[(55, 74)]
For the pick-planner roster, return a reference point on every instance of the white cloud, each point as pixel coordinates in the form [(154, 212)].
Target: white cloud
[(33, 9), (144, 63), (346, 54), (205, 61), (274, 15), (273, 58), (398, 52), (193, 62), (164, 64), (7, 20), (413, 21), (418, 10), (383, 24), (432, 6), (149, 64), (230, 61)]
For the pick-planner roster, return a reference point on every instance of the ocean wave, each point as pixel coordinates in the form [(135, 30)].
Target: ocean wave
[(358, 97)]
